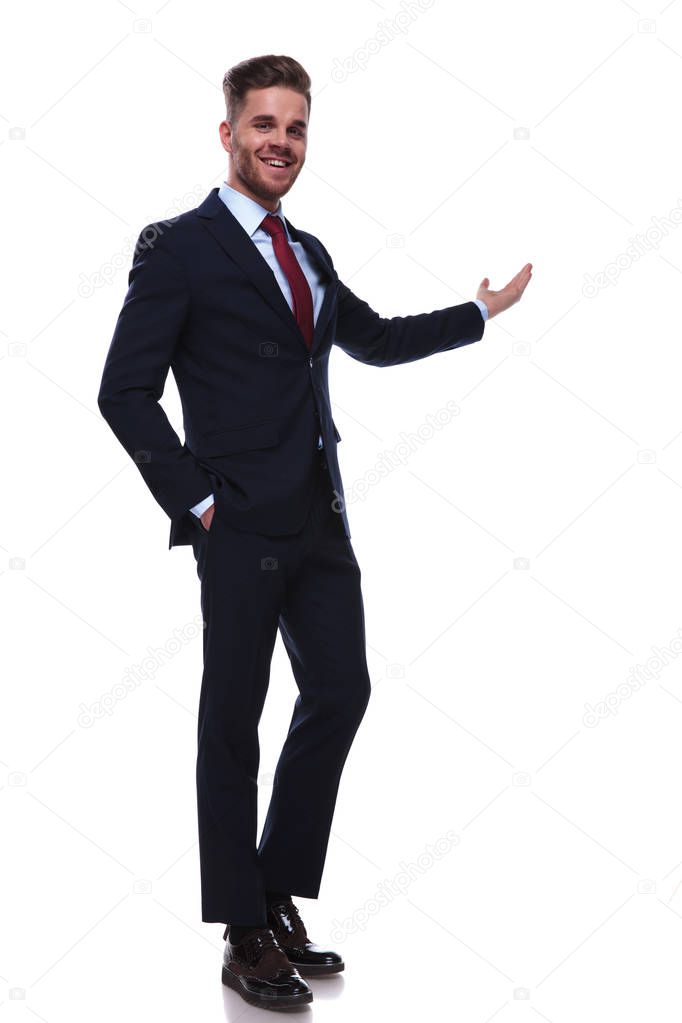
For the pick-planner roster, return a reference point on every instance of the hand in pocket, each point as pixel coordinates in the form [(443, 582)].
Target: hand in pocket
[(207, 517)]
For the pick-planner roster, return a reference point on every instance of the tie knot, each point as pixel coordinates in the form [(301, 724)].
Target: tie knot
[(272, 224)]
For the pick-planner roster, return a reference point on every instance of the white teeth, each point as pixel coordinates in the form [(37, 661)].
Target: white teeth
[(275, 163)]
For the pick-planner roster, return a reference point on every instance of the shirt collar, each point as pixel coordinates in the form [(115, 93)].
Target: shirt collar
[(247, 211)]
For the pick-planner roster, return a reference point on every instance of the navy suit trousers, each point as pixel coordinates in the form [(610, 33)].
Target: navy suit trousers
[(307, 585)]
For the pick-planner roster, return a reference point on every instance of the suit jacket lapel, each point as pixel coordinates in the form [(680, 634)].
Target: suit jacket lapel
[(236, 243)]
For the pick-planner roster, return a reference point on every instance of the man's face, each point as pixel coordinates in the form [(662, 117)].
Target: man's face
[(273, 124)]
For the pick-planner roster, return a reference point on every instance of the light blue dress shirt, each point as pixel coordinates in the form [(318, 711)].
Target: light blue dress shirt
[(250, 215)]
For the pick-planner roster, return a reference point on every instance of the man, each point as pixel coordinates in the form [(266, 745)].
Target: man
[(244, 309)]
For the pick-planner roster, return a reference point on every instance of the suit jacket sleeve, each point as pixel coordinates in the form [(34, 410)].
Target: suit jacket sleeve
[(389, 341), (139, 357)]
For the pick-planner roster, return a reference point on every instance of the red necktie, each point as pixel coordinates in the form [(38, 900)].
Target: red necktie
[(300, 289)]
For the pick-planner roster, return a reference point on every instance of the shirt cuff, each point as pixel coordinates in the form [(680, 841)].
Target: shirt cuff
[(482, 306), (200, 508)]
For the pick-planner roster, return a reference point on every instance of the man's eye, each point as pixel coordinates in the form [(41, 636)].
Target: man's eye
[(264, 124)]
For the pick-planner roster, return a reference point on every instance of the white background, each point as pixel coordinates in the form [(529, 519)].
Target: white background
[(560, 897)]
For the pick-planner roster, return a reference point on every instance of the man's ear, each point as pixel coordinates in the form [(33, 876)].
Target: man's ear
[(225, 132)]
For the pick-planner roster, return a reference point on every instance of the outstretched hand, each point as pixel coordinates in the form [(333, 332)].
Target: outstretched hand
[(498, 301)]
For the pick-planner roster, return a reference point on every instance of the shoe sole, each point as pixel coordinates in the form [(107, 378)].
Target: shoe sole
[(263, 1001), (313, 970)]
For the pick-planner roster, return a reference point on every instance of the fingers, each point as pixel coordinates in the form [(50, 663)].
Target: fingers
[(517, 283), (522, 277)]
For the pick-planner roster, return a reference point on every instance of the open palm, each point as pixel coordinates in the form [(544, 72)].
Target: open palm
[(498, 301)]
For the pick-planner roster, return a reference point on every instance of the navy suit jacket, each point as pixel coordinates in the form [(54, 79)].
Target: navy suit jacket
[(204, 303)]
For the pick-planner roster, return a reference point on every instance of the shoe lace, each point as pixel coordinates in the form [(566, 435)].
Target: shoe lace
[(292, 912), (260, 942)]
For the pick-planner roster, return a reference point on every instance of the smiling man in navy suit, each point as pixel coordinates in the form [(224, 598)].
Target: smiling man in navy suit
[(244, 309)]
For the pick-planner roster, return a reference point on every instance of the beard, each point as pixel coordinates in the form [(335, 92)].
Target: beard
[(252, 173)]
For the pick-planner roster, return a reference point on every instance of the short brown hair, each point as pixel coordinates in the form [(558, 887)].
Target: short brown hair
[(262, 73)]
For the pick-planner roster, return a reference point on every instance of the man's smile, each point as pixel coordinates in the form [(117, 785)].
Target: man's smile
[(275, 162)]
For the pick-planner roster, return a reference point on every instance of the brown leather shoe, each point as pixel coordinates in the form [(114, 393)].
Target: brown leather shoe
[(258, 969), (309, 959)]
